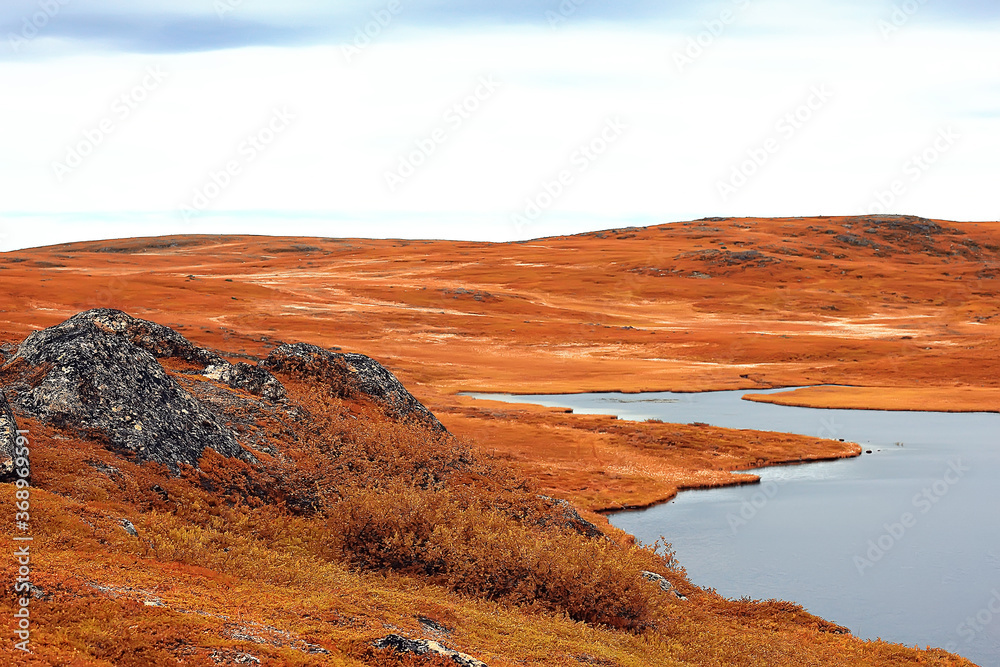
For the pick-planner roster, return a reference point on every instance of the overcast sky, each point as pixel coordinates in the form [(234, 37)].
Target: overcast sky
[(499, 121)]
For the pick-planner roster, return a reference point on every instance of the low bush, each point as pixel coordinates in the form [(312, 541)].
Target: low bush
[(479, 551)]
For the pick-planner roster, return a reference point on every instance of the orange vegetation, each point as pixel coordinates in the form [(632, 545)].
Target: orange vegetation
[(943, 399), (604, 464), (905, 306)]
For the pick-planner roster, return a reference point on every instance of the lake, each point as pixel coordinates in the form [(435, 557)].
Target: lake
[(902, 543)]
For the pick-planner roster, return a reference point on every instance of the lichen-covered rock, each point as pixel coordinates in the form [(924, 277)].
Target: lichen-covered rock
[(663, 583), (565, 515), (160, 341), (97, 373), (908, 224), (8, 440), (426, 647), (252, 379), (351, 374)]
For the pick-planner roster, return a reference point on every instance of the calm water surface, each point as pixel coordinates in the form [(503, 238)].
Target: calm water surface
[(902, 543)]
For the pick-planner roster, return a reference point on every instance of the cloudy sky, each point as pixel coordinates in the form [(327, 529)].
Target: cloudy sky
[(499, 121)]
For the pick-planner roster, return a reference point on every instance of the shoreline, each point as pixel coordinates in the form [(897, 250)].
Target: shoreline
[(746, 479), (831, 396), (958, 400), (608, 511)]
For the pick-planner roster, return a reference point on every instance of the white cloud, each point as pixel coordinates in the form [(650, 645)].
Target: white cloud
[(355, 119)]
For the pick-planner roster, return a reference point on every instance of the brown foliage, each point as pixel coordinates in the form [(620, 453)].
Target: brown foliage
[(479, 551)]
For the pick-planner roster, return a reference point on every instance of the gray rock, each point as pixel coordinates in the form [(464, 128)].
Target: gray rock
[(432, 626), (160, 341), (424, 647), (96, 373), (351, 375), (129, 527), (859, 241), (568, 517), (909, 224), (663, 583), (252, 379), (234, 658), (8, 440), (39, 593)]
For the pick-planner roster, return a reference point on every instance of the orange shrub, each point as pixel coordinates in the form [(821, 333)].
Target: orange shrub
[(479, 551)]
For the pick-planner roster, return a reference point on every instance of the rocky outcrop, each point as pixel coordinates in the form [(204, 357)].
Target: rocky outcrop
[(907, 224), (97, 373), (8, 440), (851, 239), (565, 515), (729, 258), (252, 379), (663, 583), (347, 375), (160, 341), (426, 647)]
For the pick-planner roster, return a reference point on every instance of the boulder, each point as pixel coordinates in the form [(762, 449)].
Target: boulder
[(160, 341), (97, 373), (426, 647), (252, 379), (663, 583), (129, 527), (347, 375), (565, 515)]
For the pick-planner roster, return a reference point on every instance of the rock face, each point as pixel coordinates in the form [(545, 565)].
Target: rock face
[(426, 647), (8, 440), (351, 375), (97, 373)]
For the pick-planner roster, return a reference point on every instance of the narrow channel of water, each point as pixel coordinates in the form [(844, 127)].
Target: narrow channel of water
[(902, 543)]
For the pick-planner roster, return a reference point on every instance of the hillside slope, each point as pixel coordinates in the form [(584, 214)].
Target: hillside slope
[(334, 518)]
